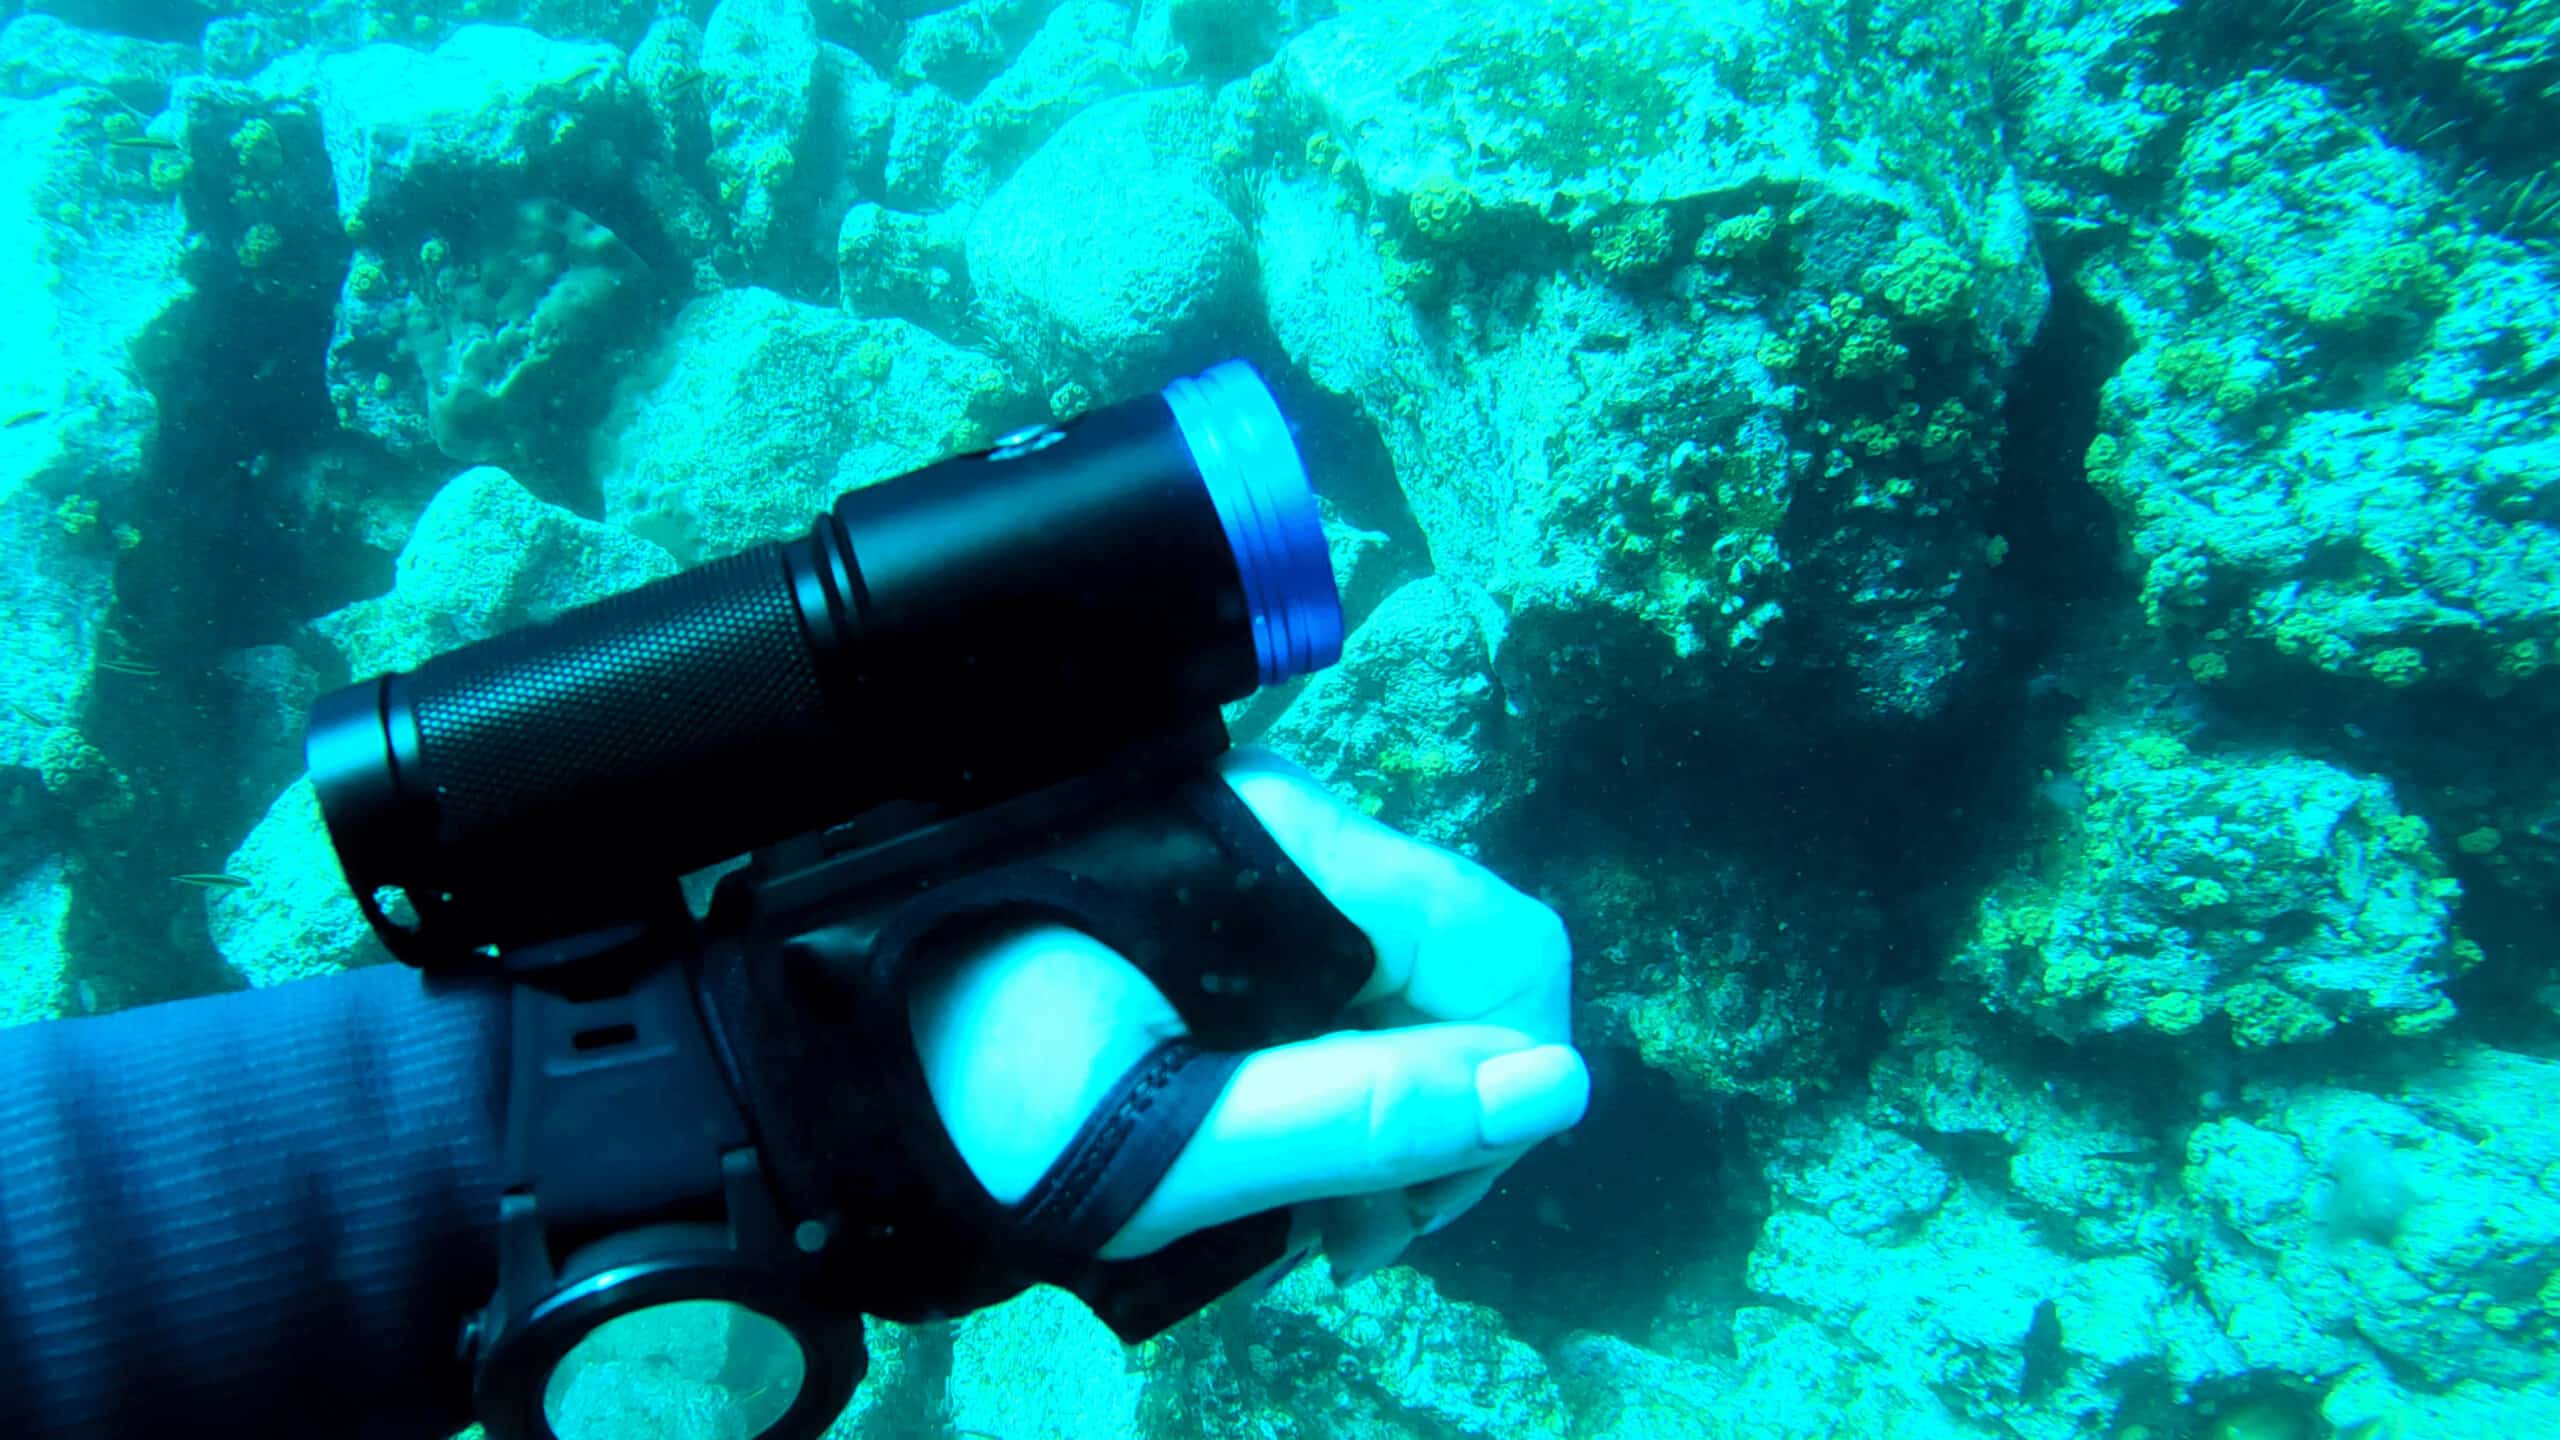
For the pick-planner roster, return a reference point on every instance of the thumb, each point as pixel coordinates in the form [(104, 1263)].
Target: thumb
[(1361, 1111)]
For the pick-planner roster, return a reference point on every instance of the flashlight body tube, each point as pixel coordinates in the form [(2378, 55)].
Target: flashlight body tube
[(987, 624)]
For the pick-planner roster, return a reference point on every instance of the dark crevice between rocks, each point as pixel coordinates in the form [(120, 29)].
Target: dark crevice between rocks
[(1902, 820), (1648, 1195), (226, 559), (223, 564), (2063, 584), (1900, 809)]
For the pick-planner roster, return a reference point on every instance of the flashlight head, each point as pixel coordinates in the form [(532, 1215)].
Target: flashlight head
[(1249, 465)]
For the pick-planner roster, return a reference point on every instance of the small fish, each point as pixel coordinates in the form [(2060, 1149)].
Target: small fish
[(143, 142), (128, 667), (682, 83), (212, 880), (31, 717), (2121, 1157), (23, 417)]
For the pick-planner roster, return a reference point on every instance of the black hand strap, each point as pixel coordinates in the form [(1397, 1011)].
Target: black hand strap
[(1196, 894), (1122, 1153)]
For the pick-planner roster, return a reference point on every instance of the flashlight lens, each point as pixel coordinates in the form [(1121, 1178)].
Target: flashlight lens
[(1259, 486), (691, 1368)]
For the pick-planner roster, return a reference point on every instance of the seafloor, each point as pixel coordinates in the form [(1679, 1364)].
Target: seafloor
[(1999, 562)]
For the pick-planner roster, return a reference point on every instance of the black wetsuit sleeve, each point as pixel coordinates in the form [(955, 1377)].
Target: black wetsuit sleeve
[(264, 1213)]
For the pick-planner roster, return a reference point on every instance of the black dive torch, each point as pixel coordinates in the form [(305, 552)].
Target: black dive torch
[(968, 643), (982, 626)]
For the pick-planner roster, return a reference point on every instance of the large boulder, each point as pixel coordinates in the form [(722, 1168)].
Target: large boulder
[(2401, 1242), (1695, 393), (2274, 895), (2330, 445), (292, 918), (483, 311), (1109, 258), (759, 64), (1411, 726), (759, 410), (486, 556), (1040, 1364)]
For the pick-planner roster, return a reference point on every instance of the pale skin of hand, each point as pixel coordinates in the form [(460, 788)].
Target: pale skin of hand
[(1454, 1059)]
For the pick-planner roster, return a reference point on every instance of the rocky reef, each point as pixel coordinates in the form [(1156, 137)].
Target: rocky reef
[(1999, 564)]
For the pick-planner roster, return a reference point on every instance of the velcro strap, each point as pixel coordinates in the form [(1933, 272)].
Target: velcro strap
[(1122, 1153)]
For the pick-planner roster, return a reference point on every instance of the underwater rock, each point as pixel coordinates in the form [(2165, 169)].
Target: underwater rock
[(1862, 1179), (1079, 56), (1694, 396), (2280, 893), (1109, 257), (2092, 90), (1040, 1364), (1784, 1380), (2072, 1150), (486, 556), (35, 900), (494, 114), (758, 411), (162, 20), (39, 54), (2371, 1402), (518, 330), (94, 259), (959, 47), (759, 67), (769, 132), (2331, 446), (2413, 1229), (891, 264), (239, 46), (936, 161), (849, 141), (1188, 39), (1963, 1294), (267, 703), (483, 311), (250, 170), (293, 919), (1725, 969), (902, 1391), (1409, 726), (1390, 1349), (666, 68)]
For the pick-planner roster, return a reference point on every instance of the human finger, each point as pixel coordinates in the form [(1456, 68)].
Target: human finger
[(1359, 1112)]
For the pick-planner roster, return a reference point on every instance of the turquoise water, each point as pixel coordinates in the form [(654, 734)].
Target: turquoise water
[(1998, 564)]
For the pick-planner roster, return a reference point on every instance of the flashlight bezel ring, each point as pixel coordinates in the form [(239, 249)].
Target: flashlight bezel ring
[(515, 1379)]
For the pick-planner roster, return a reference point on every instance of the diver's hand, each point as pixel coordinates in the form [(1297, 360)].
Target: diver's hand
[(1455, 1059)]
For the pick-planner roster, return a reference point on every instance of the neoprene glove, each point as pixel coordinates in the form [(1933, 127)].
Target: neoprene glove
[(1452, 1061)]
